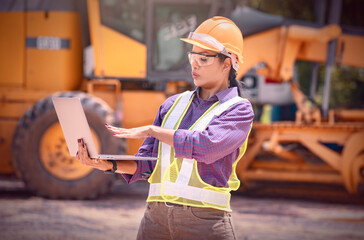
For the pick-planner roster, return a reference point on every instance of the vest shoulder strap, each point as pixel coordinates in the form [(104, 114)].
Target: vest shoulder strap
[(220, 108), (177, 109)]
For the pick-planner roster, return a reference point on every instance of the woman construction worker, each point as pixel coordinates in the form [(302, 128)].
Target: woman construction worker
[(198, 137)]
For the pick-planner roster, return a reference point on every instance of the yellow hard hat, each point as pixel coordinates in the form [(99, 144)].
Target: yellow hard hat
[(219, 34)]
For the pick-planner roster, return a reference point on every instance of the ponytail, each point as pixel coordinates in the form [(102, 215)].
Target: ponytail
[(234, 82), (232, 77)]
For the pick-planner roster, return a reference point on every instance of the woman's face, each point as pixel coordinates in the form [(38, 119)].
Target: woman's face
[(211, 76)]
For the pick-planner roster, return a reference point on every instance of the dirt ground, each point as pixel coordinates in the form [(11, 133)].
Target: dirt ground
[(257, 215)]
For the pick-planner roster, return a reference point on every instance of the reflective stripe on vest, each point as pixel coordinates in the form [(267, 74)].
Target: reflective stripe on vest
[(170, 123), (181, 188)]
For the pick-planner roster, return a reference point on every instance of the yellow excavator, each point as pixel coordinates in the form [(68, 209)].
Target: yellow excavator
[(122, 58)]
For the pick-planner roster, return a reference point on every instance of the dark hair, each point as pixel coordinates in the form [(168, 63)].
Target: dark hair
[(232, 76)]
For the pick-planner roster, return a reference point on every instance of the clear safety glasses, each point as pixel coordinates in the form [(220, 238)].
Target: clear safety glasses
[(201, 59)]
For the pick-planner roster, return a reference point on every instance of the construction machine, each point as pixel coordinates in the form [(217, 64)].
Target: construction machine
[(321, 145), (122, 58)]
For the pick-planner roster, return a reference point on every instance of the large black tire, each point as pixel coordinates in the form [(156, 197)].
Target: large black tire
[(27, 158)]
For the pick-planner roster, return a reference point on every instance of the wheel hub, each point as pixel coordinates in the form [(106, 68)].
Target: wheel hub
[(56, 158)]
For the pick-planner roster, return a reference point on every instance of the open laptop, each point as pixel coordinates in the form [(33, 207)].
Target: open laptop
[(75, 126)]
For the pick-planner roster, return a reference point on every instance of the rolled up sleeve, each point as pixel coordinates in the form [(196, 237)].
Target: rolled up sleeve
[(225, 133), (144, 168)]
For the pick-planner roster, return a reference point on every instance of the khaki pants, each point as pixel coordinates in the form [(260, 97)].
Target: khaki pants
[(177, 222)]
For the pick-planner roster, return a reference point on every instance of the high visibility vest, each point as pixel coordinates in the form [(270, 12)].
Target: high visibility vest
[(177, 180)]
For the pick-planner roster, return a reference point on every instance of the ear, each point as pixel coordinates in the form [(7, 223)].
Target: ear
[(226, 65)]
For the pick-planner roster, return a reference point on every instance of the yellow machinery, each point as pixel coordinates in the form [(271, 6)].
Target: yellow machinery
[(301, 150), (125, 54), (123, 58)]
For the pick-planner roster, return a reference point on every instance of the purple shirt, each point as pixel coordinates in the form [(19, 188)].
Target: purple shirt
[(215, 149)]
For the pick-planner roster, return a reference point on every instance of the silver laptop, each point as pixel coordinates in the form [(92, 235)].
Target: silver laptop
[(75, 126)]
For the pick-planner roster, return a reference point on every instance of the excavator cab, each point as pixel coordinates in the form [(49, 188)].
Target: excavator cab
[(140, 39)]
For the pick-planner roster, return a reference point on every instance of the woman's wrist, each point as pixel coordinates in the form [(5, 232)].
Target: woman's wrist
[(151, 131), (101, 164), (108, 165), (128, 167), (162, 134)]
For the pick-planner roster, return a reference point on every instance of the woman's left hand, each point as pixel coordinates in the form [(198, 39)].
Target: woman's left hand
[(162, 134), (139, 132)]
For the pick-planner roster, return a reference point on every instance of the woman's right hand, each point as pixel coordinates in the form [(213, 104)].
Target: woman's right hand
[(83, 157)]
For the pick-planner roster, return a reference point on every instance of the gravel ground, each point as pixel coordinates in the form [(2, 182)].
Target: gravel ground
[(117, 215)]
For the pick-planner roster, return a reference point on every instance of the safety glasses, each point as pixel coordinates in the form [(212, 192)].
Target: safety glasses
[(201, 59)]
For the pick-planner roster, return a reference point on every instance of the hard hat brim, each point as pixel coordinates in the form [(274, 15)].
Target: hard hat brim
[(206, 46), (200, 44)]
